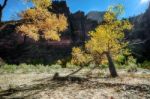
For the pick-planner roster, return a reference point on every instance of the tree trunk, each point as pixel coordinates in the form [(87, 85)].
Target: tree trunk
[(1, 14), (112, 68)]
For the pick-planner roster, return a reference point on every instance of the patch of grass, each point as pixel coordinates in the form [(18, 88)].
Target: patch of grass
[(8, 68), (27, 68)]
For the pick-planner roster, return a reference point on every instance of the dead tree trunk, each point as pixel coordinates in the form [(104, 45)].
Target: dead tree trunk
[(112, 68)]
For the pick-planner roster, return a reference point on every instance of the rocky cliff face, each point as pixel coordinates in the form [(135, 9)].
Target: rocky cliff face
[(140, 35), (95, 16), (79, 23)]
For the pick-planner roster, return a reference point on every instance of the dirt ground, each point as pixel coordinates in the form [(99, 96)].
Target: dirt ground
[(99, 86)]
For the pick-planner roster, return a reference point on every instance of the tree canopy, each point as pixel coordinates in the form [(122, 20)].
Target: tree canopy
[(40, 23)]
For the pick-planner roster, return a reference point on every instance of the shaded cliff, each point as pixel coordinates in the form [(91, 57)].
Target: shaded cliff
[(15, 48), (140, 36)]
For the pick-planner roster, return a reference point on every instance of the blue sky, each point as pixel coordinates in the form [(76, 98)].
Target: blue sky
[(132, 7)]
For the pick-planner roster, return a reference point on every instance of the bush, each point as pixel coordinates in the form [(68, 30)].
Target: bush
[(8, 68), (132, 68), (24, 68), (104, 66), (120, 59), (40, 68), (55, 66), (145, 65), (70, 65), (131, 65)]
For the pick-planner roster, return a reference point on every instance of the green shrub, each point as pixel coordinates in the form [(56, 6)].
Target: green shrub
[(56, 66), (40, 68), (70, 65), (48, 69), (131, 65), (120, 66), (120, 59), (104, 66), (132, 68), (145, 65), (24, 68), (8, 68)]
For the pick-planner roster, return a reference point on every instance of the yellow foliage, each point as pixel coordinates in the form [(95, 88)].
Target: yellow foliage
[(32, 32), (42, 3), (108, 37), (108, 17), (40, 23), (79, 57), (51, 35)]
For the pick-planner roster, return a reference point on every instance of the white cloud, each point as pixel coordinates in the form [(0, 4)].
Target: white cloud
[(144, 1)]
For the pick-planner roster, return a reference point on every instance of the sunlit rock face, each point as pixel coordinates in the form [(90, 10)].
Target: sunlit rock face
[(95, 16)]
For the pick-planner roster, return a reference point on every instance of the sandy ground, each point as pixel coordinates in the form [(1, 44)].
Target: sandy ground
[(99, 86)]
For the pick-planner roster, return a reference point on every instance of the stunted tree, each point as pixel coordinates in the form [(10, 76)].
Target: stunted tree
[(39, 23), (2, 6)]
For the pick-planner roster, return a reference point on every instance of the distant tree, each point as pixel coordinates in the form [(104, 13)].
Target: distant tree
[(2, 6), (39, 23)]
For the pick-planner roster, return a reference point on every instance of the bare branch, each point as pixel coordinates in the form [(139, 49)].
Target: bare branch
[(138, 42), (5, 3)]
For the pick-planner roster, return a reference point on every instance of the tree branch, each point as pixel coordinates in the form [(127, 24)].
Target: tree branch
[(5, 3), (75, 71), (139, 42)]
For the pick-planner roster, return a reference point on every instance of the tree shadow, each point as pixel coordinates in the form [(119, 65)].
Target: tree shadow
[(60, 81), (46, 83)]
